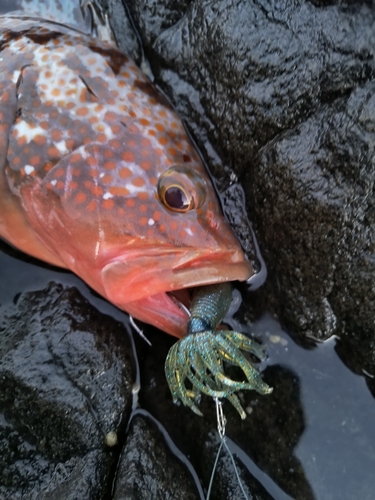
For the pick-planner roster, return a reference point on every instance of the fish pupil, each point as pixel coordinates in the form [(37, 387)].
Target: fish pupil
[(176, 198)]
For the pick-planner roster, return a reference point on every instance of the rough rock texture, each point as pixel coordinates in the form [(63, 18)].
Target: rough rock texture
[(65, 383), (148, 469), (284, 92)]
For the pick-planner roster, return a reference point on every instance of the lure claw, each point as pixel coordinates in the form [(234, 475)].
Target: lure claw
[(198, 359)]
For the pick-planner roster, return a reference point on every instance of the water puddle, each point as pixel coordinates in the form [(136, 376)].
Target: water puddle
[(337, 446)]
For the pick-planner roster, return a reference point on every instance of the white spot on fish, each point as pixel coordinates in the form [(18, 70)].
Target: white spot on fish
[(15, 76), (150, 222), (134, 189), (189, 231), (61, 146), (107, 195), (27, 131), (105, 129), (83, 152), (29, 169)]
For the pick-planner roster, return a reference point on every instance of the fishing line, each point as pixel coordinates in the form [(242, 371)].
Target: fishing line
[(138, 330), (221, 422)]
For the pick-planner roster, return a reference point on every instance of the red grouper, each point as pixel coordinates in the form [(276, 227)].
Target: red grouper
[(99, 176)]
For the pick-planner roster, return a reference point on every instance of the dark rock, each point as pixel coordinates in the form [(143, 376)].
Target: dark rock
[(122, 27), (148, 469), (283, 93), (322, 211), (268, 435), (230, 482), (65, 382), (153, 17)]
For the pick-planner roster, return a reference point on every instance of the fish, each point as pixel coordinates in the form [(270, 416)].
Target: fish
[(98, 175)]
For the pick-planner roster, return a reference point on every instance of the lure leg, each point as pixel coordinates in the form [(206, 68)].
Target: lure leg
[(199, 357)]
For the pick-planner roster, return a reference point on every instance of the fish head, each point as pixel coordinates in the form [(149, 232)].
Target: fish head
[(109, 180), (139, 231)]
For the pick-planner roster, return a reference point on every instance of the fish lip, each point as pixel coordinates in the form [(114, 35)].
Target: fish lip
[(140, 280), (191, 261), (137, 275)]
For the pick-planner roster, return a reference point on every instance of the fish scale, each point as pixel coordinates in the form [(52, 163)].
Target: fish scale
[(86, 145), (50, 85)]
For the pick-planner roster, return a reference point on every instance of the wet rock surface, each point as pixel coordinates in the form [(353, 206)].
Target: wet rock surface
[(148, 469), (283, 92), (66, 373)]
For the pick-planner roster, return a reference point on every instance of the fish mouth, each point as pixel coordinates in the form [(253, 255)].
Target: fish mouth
[(156, 287), (162, 310)]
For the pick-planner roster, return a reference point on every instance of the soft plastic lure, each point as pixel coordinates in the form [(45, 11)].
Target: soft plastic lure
[(199, 357)]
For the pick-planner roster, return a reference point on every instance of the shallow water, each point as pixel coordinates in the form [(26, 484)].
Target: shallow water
[(336, 448)]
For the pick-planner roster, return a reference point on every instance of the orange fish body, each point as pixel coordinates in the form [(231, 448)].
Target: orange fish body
[(99, 176)]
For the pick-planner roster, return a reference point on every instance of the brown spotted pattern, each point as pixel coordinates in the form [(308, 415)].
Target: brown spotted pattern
[(84, 137), (92, 128)]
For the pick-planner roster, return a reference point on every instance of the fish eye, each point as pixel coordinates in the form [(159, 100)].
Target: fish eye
[(175, 198), (181, 190)]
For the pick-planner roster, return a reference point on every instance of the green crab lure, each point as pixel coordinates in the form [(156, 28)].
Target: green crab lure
[(199, 356)]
